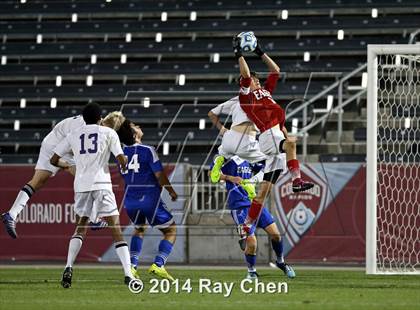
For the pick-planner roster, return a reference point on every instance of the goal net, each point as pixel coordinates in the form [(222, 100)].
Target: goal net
[(393, 160)]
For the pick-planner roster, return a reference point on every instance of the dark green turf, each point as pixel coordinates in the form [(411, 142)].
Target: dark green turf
[(39, 288)]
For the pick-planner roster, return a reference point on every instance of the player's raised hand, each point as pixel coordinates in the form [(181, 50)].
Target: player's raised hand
[(236, 45), (258, 50)]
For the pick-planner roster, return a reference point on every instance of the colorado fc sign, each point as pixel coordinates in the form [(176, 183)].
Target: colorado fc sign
[(297, 212)]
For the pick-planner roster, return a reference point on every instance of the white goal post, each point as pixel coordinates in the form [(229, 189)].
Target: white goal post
[(393, 160)]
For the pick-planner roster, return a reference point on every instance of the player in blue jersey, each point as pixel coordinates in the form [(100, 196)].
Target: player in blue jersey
[(238, 175), (144, 180)]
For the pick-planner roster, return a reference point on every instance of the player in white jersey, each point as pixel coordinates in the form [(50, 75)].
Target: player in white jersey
[(240, 139), (44, 170), (92, 146)]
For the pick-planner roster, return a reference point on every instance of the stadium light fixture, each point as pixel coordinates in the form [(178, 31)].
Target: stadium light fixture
[(146, 102), (340, 34), (165, 148), (295, 123), (39, 38), (216, 57), (3, 60), (58, 81), (202, 124), (53, 103), (164, 16), (22, 103), (193, 16), (374, 13), (128, 37), (284, 14), (407, 123), (93, 59), (89, 80), (16, 125), (306, 56), (74, 18), (330, 100), (158, 37), (364, 79), (181, 79), (123, 59), (108, 0), (22, 1)]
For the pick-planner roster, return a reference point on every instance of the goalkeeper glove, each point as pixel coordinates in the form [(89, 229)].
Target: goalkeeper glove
[(236, 44), (258, 50)]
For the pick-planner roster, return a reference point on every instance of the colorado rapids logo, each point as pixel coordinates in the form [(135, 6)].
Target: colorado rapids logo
[(297, 212)]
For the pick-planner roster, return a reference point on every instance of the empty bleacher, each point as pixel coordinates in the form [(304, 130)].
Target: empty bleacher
[(132, 50)]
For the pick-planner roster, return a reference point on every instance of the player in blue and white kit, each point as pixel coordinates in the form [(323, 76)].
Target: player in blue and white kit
[(238, 175), (144, 181)]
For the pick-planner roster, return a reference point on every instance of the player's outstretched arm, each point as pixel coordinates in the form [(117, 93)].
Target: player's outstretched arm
[(243, 66), (215, 119), (58, 162), (272, 66), (164, 182)]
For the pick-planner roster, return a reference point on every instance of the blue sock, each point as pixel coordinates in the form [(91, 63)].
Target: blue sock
[(165, 248), (251, 261), (135, 248), (278, 249)]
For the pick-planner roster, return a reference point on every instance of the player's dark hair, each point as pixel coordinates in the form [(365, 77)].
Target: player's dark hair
[(126, 133), (92, 113), (253, 73)]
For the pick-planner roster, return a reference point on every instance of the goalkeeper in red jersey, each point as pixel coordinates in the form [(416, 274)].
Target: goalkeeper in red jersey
[(269, 118)]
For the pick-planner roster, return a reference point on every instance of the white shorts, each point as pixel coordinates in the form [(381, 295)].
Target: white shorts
[(270, 145), (94, 204), (45, 154), (240, 144)]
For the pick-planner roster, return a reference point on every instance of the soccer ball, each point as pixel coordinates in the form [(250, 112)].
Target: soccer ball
[(248, 41)]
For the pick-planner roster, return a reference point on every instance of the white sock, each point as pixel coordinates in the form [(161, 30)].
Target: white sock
[(22, 198), (122, 251), (74, 248)]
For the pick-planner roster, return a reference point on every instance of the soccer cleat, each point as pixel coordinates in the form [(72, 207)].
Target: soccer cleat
[(98, 225), (160, 272), (66, 279), (249, 188), (216, 170), (9, 224), (135, 272), (287, 269), (300, 186), (127, 280), (252, 275)]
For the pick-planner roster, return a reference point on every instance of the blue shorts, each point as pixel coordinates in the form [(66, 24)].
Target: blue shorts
[(266, 219), (155, 211)]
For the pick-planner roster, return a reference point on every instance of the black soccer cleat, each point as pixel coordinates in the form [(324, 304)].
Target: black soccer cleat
[(9, 224), (300, 186), (67, 275), (127, 280)]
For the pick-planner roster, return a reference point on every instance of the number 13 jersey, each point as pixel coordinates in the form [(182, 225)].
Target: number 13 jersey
[(91, 146)]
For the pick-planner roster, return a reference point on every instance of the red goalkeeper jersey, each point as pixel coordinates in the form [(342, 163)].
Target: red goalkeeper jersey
[(259, 105)]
